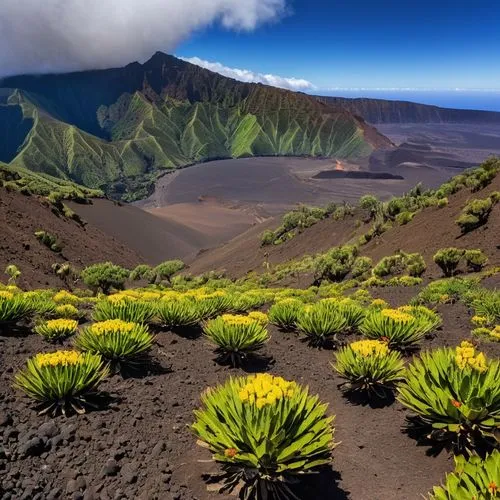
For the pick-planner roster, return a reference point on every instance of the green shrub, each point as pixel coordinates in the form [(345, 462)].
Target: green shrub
[(142, 271), (369, 202), (415, 264), (361, 266), (49, 240), (267, 237), (236, 337), (321, 322), (475, 214), (336, 264), (473, 478), (404, 217), (133, 311), (104, 277), (391, 264), (446, 290), (61, 380), (175, 313), (285, 313), (448, 259), (57, 329), (118, 341), (456, 393), (442, 202), (369, 367), (13, 272), (165, 270), (65, 272), (475, 259), (266, 432)]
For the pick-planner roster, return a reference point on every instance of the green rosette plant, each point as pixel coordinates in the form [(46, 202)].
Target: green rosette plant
[(211, 305), (126, 309), (427, 319), (284, 314), (236, 337), (177, 312), (14, 308), (455, 393), (57, 329), (369, 368), (473, 478), (118, 341), (266, 432), (62, 381), (321, 322), (399, 329)]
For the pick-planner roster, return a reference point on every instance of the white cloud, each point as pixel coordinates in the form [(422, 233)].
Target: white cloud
[(245, 75), (66, 35)]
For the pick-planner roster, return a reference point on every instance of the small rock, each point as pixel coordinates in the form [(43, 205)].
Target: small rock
[(5, 419), (158, 449), (71, 486), (129, 473), (34, 447), (111, 468), (48, 429)]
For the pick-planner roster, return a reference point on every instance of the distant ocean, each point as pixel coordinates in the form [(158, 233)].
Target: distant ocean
[(461, 99)]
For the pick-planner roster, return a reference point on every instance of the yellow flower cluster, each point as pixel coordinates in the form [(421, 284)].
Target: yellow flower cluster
[(265, 389), (367, 348), (119, 298), (480, 320), (112, 326), (13, 289), (6, 295), (66, 310), (61, 325), (260, 317), (237, 319), (64, 297), (59, 358), (397, 316), (445, 298), (496, 332), (466, 356), (379, 303), (149, 296)]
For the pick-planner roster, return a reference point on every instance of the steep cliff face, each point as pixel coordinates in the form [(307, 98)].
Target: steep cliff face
[(116, 129), (383, 111)]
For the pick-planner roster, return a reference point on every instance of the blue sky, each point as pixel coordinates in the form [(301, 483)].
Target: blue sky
[(386, 44)]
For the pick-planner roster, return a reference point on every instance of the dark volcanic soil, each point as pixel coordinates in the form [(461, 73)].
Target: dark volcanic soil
[(141, 447), (21, 216)]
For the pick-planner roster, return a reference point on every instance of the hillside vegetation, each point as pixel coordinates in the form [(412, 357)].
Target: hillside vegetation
[(118, 129)]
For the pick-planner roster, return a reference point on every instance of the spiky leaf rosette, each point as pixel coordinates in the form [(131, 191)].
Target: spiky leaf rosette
[(472, 478), (427, 319), (488, 306), (210, 305), (14, 308), (399, 329), (68, 311), (62, 380), (57, 329), (135, 311), (369, 367), (321, 322), (265, 431), (116, 340), (350, 309), (285, 313), (236, 336), (456, 393), (177, 312), (248, 300)]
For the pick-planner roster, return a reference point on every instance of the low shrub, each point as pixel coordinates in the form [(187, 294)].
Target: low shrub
[(442, 202), (64, 297), (475, 259), (488, 305), (118, 341), (285, 313), (361, 267), (49, 240), (266, 432), (104, 277), (455, 392), (321, 322), (13, 272), (448, 259), (236, 337), (473, 478), (391, 265), (404, 217), (133, 311), (447, 290), (369, 368), (336, 264), (141, 272), (475, 214), (165, 271), (57, 329), (62, 380)]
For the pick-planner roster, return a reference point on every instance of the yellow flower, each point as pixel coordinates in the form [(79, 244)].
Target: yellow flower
[(444, 298), (479, 320), (379, 303), (397, 316), (66, 310), (466, 357), (265, 389), (59, 358), (368, 348), (62, 324), (64, 297), (258, 316), (238, 319), (6, 295), (112, 326)]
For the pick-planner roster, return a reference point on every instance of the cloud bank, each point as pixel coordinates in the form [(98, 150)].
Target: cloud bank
[(40, 36), (245, 75)]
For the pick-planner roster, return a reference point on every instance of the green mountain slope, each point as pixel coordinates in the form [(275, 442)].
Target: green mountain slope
[(118, 129)]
